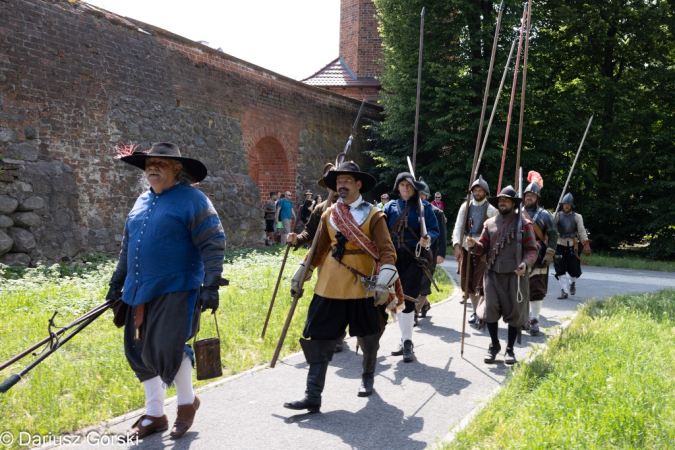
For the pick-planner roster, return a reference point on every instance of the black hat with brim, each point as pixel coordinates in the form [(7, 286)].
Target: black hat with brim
[(169, 151), (507, 192), (368, 181), (407, 176)]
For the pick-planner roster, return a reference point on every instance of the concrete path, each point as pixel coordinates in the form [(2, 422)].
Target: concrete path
[(415, 404)]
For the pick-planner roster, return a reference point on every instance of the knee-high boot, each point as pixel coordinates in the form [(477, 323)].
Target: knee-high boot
[(318, 354), (370, 345)]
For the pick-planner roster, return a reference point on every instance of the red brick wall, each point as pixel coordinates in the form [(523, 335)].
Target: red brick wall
[(360, 41), (86, 79)]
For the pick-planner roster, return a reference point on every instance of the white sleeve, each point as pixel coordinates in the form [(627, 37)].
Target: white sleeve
[(457, 231), (581, 230), (492, 211)]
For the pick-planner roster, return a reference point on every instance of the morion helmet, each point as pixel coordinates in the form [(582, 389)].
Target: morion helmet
[(534, 188), (568, 199), (481, 183)]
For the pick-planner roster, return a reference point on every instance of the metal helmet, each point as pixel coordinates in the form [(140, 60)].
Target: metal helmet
[(568, 199), (534, 188), (480, 182), (425, 190)]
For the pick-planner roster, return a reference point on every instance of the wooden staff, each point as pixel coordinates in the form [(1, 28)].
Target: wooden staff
[(276, 288), (522, 96), (573, 164), (513, 94), (419, 85), (475, 158)]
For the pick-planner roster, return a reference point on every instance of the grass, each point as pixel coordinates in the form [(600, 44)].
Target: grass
[(628, 259), (605, 383), (88, 380)]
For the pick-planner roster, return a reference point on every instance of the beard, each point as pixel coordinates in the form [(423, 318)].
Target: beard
[(506, 210)]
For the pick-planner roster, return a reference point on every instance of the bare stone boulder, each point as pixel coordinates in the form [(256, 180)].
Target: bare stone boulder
[(8, 204), (26, 219), (5, 221), (22, 150), (6, 242), (15, 259), (24, 241), (31, 204)]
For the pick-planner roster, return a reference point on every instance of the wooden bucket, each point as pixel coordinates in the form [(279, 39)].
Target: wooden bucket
[(207, 356)]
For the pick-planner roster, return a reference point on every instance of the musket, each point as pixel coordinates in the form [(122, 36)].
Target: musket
[(513, 95), (312, 250), (53, 334), (522, 96), (423, 232), (93, 315), (474, 167), (573, 164)]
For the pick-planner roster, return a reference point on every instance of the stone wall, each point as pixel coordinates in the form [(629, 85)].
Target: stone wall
[(76, 80)]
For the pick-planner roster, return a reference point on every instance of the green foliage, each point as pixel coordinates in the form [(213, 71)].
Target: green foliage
[(604, 383), (614, 60)]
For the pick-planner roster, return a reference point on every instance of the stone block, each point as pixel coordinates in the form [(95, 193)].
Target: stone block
[(23, 150), (31, 204), (8, 204), (26, 219), (5, 221), (6, 242), (7, 135), (24, 241), (15, 259)]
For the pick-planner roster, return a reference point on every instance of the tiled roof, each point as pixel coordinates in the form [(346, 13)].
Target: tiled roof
[(337, 74)]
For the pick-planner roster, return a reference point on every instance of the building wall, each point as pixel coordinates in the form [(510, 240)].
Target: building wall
[(75, 81), (360, 41)]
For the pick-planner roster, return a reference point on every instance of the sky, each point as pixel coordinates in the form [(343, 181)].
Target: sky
[(294, 38)]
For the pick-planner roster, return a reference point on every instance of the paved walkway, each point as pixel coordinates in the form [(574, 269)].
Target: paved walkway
[(414, 404)]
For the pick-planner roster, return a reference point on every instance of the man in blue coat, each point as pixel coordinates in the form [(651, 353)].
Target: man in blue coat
[(403, 219), (171, 262)]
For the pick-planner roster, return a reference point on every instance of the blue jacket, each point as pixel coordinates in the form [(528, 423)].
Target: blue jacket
[(392, 211), (173, 242)]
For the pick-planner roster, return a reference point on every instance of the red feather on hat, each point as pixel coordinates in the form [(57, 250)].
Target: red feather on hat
[(533, 176)]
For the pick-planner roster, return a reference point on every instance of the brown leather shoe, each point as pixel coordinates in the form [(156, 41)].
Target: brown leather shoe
[(186, 415), (138, 431)]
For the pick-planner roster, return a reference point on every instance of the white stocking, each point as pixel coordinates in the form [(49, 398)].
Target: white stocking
[(573, 279), (406, 322), (563, 283), (155, 391), (535, 309), (183, 381)]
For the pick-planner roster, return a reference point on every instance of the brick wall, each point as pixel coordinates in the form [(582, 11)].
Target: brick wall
[(83, 80), (360, 41)]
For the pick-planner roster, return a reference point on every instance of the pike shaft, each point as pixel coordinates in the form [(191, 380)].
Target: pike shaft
[(419, 87), (573, 164)]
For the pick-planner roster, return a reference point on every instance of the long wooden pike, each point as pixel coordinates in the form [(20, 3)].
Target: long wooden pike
[(522, 95), (419, 86), (513, 95), (475, 161), (573, 164)]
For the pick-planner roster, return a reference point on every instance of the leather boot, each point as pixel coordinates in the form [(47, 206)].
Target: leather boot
[(370, 346), (185, 418), (318, 354), (573, 288)]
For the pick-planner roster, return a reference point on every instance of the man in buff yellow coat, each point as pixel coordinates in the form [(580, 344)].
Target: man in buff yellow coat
[(356, 261)]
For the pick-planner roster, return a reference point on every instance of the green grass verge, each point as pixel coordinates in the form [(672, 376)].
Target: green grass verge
[(88, 379), (605, 383), (628, 260)]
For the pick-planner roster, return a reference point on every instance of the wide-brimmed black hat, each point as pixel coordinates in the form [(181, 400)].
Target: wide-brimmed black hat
[(407, 176), (507, 192), (326, 168), (170, 151), (368, 181)]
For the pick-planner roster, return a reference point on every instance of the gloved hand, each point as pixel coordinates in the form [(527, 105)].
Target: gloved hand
[(114, 293), (209, 298), (116, 284), (385, 280), (587, 247), (296, 280), (548, 258)]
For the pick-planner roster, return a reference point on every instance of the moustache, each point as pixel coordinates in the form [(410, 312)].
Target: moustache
[(153, 172)]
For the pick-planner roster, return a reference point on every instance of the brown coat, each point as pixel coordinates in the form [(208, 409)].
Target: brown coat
[(335, 280)]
